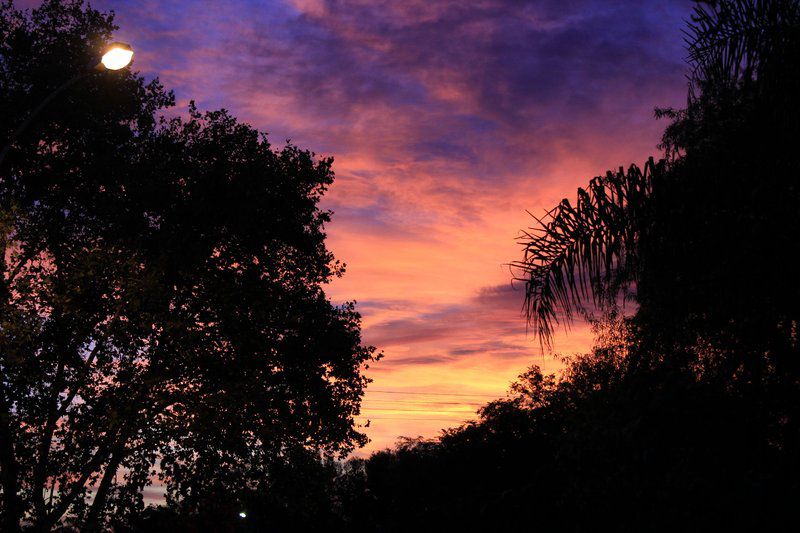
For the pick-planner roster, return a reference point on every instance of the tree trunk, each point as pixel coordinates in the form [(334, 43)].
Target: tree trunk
[(8, 468), (95, 511)]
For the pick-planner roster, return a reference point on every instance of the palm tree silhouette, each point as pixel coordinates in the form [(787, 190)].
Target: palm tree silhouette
[(680, 235)]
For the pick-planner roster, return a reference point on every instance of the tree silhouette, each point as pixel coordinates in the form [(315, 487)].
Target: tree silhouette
[(162, 298), (684, 233)]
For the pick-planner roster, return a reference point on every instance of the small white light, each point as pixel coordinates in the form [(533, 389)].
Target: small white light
[(242, 515), (117, 56)]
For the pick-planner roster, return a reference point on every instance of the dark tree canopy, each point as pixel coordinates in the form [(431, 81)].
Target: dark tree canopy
[(162, 298)]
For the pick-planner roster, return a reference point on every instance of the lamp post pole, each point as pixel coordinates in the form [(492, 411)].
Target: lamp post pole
[(33, 114), (116, 57)]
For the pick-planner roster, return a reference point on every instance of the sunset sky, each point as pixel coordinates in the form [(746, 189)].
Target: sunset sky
[(447, 121)]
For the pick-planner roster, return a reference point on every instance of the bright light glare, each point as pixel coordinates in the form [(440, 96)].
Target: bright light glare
[(242, 515), (117, 57)]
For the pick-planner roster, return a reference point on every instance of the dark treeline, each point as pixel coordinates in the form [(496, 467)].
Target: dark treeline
[(684, 416)]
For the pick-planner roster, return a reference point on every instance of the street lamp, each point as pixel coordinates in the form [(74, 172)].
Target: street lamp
[(116, 56)]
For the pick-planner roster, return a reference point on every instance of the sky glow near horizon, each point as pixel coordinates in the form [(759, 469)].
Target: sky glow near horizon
[(447, 121)]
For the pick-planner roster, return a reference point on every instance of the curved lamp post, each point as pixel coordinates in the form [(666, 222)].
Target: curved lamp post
[(116, 56)]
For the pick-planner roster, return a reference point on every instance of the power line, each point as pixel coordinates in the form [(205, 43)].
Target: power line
[(431, 419), (432, 393), (422, 402), (416, 410)]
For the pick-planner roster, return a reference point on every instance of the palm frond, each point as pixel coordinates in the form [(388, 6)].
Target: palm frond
[(586, 252), (729, 40)]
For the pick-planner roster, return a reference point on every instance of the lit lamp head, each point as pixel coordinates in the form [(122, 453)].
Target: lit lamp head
[(117, 56)]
